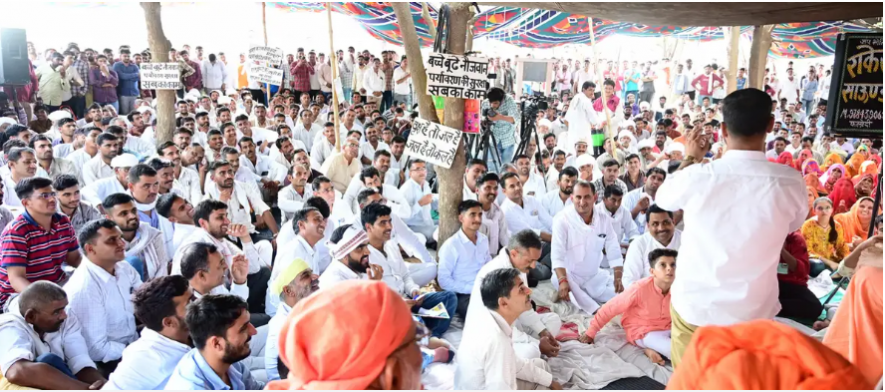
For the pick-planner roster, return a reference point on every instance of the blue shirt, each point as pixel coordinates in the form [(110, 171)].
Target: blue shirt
[(194, 374), (631, 85), (460, 261), (128, 76), (152, 219), (741, 83)]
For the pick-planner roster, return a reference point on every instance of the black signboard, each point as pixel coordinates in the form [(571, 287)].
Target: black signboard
[(854, 107)]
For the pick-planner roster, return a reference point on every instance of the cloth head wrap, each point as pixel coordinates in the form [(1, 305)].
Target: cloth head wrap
[(340, 337), (762, 354), (353, 237), (287, 276)]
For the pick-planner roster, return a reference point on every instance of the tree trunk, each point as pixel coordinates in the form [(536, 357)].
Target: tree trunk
[(160, 54), (759, 55), (733, 34), (451, 180), (416, 61)]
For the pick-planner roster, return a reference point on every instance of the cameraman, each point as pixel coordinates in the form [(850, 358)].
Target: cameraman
[(500, 109)]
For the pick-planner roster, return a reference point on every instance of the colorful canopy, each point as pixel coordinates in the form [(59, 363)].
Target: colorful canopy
[(536, 28)]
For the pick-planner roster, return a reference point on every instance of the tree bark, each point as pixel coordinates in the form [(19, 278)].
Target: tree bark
[(734, 49), (451, 180), (759, 55), (416, 61), (160, 54)]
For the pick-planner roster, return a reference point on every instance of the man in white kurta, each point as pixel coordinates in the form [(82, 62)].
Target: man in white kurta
[(581, 116), (660, 233), (579, 237), (421, 200)]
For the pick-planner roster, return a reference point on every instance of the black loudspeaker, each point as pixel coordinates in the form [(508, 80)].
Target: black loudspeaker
[(14, 57)]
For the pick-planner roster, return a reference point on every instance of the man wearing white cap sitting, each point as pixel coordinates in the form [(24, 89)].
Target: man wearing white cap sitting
[(296, 282), (646, 156), (586, 167), (95, 193), (673, 153), (349, 247)]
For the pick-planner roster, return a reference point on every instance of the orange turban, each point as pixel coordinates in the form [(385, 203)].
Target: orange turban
[(762, 354), (340, 337)]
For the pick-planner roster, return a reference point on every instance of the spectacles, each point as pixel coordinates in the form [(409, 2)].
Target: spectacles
[(46, 195)]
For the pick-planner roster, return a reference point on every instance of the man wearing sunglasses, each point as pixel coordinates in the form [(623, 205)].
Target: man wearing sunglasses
[(37, 242)]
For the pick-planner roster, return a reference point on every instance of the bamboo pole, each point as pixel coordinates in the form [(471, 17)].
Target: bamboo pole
[(734, 47), (264, 27), (333, 61)]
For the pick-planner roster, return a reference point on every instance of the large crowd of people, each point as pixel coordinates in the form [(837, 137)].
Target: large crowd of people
[(262, 247)]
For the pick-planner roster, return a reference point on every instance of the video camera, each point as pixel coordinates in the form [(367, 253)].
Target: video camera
[(530, 105)]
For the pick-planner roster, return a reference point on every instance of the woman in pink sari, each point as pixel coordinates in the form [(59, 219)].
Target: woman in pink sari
[(834, 173)]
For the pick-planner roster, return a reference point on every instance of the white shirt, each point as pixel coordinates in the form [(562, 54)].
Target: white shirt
[(530, 216), (142, 146), (336, 273), (491, 363), (553, 203), (10, 198), (18, 341), (631, 199), (95, 193), (366, 149), (729, 275), (622, 222), (789, 88), (188, 184), (307, 135), (534, 185), (271, 348), (240, 290), (263, 168), (181, 232), (147, 363), (636, 264), (320, 152), (245, 198), (103, 303), (290, 201), (95, 169), (62, 150), (227, 249), (79, 159), (413, 193), (396, 275), (404, 88), (460, 260), (494, 227), (298, 248), (582, 76), (373, 82), (578, 247), (214, 75), (581, 117)]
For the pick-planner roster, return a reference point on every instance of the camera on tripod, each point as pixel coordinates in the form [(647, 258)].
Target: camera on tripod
[(532, 104)]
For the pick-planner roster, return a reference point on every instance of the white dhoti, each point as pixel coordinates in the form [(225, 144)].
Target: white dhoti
[(523, 385), (589, 293), (656, 340), (525, 341)]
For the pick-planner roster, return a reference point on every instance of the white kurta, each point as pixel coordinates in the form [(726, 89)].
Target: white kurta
[(636, 265), (147, 363), (581, 117)]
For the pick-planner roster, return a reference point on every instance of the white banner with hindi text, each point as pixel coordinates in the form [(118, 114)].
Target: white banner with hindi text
[(266, 54), (160, 76), (454, 76), (262, 74), (433, 143)]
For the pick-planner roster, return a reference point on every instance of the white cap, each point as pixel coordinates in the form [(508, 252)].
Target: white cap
[(58, 115), (224, 100), (125, 160), (675, 147), (646, 143)]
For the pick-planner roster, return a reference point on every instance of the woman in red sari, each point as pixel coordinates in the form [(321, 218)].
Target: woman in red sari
[(834, 173), (786, 158), (843, 196)]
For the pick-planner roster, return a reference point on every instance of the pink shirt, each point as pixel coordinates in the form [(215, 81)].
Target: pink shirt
[(643, 306)]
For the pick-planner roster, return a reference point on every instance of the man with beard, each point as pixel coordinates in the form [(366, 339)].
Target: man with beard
[(268, 172), (532, 182), (22, 165), (534, 333), (372, 145), (67, 191), (296, 282), (185, 181), (59, 362), (221, 332), (576, 260), (283, 151), (99, 293), (147, 364), (494, 225), (99, 166), (145, 246), (137, 125), (638, 200), (292, 198), (165, 174), (661, 233), (349, 247), (552, 176), (214, 144), (48, 166), (555, 200)]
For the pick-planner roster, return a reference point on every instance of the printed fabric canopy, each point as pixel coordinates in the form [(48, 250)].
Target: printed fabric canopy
[(535, 28)]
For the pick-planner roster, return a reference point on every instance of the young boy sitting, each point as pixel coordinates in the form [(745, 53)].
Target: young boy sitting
[(645, 306)]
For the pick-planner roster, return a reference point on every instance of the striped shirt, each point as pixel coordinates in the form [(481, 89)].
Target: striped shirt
[(25, 244)]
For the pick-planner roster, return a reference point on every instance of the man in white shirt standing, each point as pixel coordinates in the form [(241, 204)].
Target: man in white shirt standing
[(789, 88), (100, 294), (583, 75), (214, 74), (402, 79), (491, 362), (463, 254), (722, 282), (579, 237), (581, 117), (660, 234), (148, 363), (374, 82), (526, 213)]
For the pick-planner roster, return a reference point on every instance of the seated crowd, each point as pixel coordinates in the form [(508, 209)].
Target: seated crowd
[(234, 255)]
